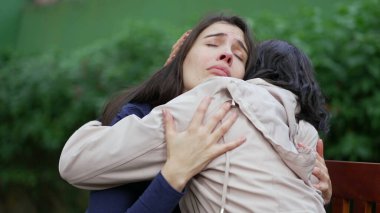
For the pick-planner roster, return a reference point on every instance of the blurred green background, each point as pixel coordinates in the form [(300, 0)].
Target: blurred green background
[(60, 60)]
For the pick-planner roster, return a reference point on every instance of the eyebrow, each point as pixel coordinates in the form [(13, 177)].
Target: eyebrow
[(241, 44)]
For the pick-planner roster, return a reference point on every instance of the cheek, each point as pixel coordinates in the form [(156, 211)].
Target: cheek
[(194, 65), (238, 72)]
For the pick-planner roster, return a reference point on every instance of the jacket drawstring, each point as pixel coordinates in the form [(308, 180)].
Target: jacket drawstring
[(225, 182), (226, 175)]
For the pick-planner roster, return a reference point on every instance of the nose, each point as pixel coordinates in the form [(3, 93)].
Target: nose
[(227, 57)]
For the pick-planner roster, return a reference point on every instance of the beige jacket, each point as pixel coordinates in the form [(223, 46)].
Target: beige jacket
[(268, 173)]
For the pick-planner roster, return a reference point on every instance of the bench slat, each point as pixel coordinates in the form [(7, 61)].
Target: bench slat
[(355, 180), (362, 207), (340, 205)]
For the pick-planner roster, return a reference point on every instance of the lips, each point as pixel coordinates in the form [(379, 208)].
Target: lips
[(220, 71)]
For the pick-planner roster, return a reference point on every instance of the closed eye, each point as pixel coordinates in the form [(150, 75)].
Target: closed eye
[(211, 45), (237, 56)]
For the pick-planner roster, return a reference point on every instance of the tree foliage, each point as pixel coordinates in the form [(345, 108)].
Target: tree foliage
[(345, 51), (43, 99)]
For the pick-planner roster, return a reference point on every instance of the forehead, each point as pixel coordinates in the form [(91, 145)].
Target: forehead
[(225, 28)]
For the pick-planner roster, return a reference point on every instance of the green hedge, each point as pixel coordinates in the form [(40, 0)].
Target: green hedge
[(44, 99), (345, 50)]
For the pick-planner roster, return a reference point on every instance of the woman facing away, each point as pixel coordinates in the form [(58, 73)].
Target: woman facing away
[(117, 171), (272, 171)]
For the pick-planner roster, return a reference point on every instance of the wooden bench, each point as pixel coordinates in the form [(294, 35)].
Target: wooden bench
[(356, 187)]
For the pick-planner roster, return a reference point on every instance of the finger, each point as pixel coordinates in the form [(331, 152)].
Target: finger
[(320, 174), (322, 186), (224, 127), (171, 58), (200, 112), (320, 147), (320, 163), (317, 173), (223, 148), (218, 116), (318, 186), (301, 145), (180, 41), (169, 125), (168, 61), (176, 47), (187, 33), (173, 53)]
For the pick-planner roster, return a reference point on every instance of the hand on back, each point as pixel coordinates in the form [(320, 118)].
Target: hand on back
[(189, 152)]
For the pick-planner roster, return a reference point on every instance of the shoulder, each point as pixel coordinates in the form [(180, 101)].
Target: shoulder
[(307, 134), (138, 109)]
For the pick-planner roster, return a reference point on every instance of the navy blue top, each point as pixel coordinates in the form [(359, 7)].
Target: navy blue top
[(158, 196)]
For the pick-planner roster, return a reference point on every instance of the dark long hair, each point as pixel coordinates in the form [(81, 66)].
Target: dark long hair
[(282, 64), (167, 82)]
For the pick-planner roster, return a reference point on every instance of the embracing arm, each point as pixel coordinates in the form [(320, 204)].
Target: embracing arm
[(319, 171), (94, 155), (98, 157), (158, 196), (94, 148), (163, 194)]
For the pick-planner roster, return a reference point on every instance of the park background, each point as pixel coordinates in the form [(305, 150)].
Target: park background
[(60, 60)]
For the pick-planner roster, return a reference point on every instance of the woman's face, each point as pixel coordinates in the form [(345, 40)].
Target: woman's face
[(219, 50)]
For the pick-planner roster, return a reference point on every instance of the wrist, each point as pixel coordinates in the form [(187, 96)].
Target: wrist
[(175, 177)]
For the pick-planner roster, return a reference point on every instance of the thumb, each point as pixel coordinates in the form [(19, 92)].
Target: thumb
[(320, 147)]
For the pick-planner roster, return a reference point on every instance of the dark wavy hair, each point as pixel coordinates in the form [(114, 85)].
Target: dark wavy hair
[(284, 65), (167, 82)]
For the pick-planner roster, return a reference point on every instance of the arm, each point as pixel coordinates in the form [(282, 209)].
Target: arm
[(320, 175), (94, 149), (158, 195), (320, 178), (136, 197), (97, 157)]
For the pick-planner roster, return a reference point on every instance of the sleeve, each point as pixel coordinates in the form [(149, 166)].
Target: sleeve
[(98, 157), (95, 156), (308, 137), (158, 197)]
